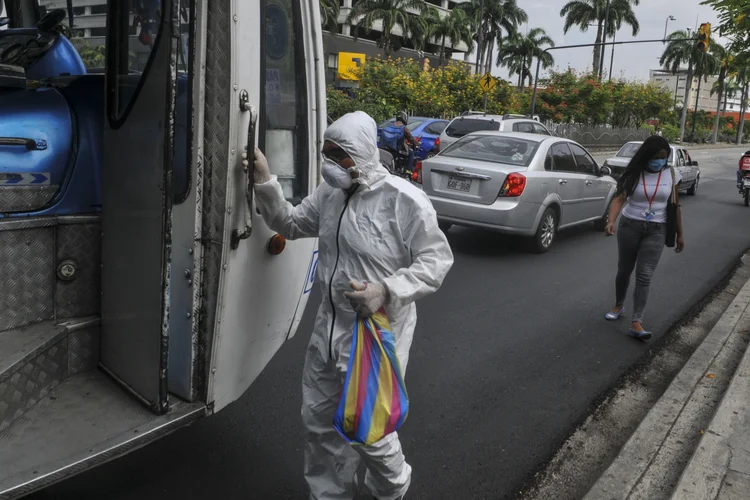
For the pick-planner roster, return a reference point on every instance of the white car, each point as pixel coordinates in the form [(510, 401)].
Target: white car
[(472, 122), (529, 185), (679, 158)]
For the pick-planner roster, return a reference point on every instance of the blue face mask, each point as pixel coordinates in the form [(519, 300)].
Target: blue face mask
[(656, 165)]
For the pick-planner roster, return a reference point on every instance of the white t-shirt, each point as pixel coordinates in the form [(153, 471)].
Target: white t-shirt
[(637, 204)]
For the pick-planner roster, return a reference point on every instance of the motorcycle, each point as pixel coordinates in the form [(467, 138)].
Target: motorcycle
[(744, 185), (398, 163)]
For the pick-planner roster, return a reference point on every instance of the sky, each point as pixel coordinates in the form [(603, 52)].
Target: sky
[(631, 61)]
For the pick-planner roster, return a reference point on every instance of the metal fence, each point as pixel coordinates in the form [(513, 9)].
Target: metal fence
[(599, 136)]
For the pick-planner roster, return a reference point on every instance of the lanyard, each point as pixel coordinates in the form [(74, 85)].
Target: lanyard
[(645, 191)]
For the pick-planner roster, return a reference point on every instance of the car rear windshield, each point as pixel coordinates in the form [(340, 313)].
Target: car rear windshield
[(629, 150), (495, 149), (460, 128)]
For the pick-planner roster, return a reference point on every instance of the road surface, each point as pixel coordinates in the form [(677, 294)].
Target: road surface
[(508, 357)]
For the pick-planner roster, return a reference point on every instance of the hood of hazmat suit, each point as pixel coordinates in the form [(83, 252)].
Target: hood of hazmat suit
[(383, 230)]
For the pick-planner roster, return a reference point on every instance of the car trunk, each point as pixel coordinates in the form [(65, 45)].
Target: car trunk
[(465, 180)]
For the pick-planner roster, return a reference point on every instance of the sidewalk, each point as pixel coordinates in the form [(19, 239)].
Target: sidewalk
[(695, 442)]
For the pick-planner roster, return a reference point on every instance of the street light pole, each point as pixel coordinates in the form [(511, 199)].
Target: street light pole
[(666, 25)]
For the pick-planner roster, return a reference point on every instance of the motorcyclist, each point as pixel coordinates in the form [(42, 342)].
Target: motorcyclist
[(743, 166), (373, 228), (399, 141)]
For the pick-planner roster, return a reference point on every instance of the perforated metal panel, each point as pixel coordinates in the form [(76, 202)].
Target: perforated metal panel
[(26, 275)]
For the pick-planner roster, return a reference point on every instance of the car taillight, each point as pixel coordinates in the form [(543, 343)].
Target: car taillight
[(514, 186), (436, 147), (416, 176)]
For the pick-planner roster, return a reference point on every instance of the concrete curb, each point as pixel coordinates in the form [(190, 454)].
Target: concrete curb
[(628, 475), (720, 467)]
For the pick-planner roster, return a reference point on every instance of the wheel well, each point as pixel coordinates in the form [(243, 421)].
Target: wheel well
[(556, 207)]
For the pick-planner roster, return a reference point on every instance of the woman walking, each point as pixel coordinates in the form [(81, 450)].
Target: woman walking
[(644, 193)]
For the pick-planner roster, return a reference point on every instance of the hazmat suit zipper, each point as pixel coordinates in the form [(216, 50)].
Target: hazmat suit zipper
[(335, 267)]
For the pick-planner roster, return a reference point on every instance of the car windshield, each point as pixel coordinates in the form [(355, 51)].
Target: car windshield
[(629, 150), (495, 149), (461, 127), (413, 124)]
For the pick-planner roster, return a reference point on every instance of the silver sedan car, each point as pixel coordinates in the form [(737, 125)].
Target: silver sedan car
[(523, 184)]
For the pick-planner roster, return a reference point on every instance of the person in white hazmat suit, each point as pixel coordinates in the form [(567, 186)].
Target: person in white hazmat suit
[(373, 228)]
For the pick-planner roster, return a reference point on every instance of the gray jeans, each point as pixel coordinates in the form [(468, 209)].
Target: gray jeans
[(640, 246)]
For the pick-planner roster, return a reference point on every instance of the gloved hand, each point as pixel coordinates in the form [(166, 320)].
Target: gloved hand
[(261, 172), (367, 298)]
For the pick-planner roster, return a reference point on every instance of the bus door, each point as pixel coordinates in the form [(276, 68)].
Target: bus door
[(277, 97), (141, 86)]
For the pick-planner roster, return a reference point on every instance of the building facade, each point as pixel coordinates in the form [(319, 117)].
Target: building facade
[(675, 84), (367, 42)]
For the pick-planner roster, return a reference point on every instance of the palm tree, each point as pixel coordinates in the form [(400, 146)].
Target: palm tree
[(681, 48), (722, 55), (584, 13), (518, 53), (499, 16), (329, 15), (423, 28), (455, 27), (392, 13)]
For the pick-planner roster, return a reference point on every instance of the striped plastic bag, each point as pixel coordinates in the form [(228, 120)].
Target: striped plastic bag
[(373, 401)]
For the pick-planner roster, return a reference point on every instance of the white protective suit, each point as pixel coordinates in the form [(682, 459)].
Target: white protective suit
[(384, 232)]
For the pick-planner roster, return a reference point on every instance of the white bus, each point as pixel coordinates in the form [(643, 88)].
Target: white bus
[(139, 288)]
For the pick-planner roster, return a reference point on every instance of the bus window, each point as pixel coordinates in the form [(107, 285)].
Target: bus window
[(283, 129)]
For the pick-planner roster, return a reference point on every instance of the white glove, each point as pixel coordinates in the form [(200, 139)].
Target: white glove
[(261, 172), (367, 298)]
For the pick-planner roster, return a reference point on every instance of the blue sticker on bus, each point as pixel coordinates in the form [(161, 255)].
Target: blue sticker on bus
[(310, 281)]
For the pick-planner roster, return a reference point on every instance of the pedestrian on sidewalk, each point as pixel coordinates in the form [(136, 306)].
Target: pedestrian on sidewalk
[(643, 193), (374, 229)]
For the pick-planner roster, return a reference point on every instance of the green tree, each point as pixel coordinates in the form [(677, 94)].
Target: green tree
[(329, 15), (725, 59), (392, 14), (94, 56), (455, 27), (584, 13), (499, 21), (682, 48), (519, 51)]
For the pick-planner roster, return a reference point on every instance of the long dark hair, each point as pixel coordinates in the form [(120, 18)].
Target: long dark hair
[(650, 147)]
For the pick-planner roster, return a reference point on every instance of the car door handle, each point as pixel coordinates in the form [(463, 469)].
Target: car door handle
[(588, 183), (562, 182)]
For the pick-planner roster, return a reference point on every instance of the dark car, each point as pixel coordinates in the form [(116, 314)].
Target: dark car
[(426, 129)]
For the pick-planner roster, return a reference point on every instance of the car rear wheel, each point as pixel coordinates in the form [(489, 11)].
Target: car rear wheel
[(693, 190), (601, 224), (546, 232)]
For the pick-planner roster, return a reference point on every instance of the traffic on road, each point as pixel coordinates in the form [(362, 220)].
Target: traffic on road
[(539, 351)]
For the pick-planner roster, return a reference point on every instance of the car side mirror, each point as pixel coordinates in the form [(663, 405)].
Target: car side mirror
[(605, 171), (694, 163)]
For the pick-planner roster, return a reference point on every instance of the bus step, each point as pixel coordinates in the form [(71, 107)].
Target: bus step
[(85, 421), (37, 358)]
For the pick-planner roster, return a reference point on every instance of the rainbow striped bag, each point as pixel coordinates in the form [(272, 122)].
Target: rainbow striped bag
[(373, 401)]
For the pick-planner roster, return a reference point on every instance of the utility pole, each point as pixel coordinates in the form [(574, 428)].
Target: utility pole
[(612, 58), (480, 36)]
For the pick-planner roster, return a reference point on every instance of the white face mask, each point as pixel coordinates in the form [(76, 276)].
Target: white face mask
[(336, 175)]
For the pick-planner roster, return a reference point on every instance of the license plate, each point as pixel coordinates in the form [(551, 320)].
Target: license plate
[(459, 184)]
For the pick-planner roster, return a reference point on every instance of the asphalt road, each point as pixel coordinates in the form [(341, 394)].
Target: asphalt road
[(508, 357)]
